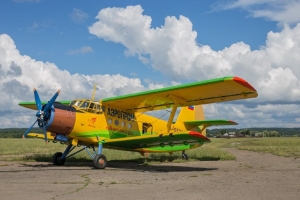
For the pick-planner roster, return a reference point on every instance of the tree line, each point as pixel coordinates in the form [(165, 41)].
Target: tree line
[(16, 132), (257, 132)]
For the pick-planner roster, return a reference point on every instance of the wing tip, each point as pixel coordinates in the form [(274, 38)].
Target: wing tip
[(244, 83), (233, 122)]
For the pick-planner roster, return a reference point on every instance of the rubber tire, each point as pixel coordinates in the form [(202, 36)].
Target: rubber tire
[(56, 159), (100, 161)]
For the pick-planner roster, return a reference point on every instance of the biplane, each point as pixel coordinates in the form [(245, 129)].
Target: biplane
[(121, 122)]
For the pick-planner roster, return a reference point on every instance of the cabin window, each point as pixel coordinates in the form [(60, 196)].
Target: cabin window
[(116, 122), (123, 124), (109, 121), (129, 126)]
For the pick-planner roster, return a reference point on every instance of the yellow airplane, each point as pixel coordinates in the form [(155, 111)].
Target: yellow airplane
[(121, 123)]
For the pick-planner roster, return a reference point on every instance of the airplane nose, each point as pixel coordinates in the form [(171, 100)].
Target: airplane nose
[(63, 121)]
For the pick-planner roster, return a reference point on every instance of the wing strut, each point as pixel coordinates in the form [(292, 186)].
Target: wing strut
[(177, 102)]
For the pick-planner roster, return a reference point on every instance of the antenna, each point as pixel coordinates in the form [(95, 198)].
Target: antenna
[(94, 92)]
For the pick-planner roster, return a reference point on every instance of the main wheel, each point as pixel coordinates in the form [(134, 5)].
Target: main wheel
[(100, 161), (56, 159)]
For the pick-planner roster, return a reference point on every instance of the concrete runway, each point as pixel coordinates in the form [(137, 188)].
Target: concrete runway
[(251, 176)]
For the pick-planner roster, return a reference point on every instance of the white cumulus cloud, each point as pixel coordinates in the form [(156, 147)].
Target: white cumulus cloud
[(19, 74), (172, 49), (281, 11)]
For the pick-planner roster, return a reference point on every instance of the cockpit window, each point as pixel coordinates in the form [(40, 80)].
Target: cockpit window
[(97, 107), (75, 103), (92, 106), (87, 105)]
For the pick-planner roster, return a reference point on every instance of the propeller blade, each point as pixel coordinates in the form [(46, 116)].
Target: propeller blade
[(37, 100), (52, 100), (45, 132), (27, 131)]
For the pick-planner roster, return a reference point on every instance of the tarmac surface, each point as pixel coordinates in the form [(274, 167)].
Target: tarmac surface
[(251, 176)]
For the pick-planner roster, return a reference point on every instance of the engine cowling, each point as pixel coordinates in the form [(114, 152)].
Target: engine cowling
[(61, 121)]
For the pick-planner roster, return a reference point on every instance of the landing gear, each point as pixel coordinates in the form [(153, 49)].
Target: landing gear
[(100, 161), (57, 160), (184, 156)]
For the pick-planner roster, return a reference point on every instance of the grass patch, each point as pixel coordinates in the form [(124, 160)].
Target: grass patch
[(281, 146), (36, 150)]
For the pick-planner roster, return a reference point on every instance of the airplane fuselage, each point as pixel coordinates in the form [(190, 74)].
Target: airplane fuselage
[(91, 122)]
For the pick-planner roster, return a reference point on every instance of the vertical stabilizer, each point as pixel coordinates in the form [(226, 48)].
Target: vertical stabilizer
[(190, 113)]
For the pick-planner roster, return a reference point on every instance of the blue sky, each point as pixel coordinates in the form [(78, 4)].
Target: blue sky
[(130, 46), (50, 31)]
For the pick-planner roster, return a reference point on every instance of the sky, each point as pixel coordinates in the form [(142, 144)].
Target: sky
[(127, 46)]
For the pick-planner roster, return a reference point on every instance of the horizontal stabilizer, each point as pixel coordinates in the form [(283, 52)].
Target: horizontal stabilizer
[(214, 122)]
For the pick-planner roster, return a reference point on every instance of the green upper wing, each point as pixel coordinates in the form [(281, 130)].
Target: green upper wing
[(203, 92), (32, 105)]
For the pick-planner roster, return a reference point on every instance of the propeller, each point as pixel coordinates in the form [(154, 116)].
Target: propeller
[(43, 114)]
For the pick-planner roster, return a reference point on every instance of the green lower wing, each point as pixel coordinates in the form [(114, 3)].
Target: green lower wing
[(216, 122), (131, 143)]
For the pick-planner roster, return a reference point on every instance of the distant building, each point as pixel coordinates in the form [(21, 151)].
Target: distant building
[(229, 134)]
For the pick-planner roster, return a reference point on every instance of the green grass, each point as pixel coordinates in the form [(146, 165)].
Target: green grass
[(37, 150), (281, 146)]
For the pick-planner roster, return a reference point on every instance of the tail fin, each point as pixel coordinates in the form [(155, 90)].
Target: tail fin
[(190, 113), (192, 119)]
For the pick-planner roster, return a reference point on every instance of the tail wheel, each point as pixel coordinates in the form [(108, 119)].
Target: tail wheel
[(56, 159), (185, 157), (100, 161)]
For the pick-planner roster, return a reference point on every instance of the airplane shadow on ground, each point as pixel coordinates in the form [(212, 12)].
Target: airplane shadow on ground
[(112, 166), (146, 164)]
